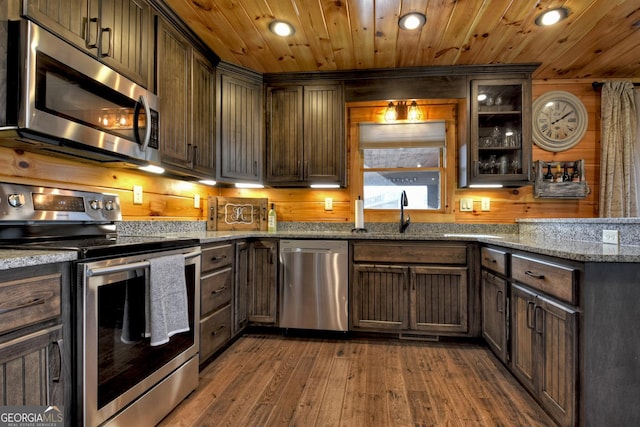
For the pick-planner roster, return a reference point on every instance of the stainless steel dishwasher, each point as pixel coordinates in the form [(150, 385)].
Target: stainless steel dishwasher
[(314, 284)]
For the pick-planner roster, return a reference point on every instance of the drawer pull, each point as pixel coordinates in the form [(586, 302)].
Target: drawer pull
[(36, 301), (218, 258), (213, 333), (534, 275), (217, 291), (490, 260)]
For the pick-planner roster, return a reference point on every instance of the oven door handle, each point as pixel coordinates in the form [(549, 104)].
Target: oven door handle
[(91, 272)]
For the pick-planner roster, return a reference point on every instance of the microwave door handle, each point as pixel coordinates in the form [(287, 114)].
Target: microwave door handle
[(142, 101)]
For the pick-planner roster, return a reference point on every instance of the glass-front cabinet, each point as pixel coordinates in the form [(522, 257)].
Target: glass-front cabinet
[(499, 146)]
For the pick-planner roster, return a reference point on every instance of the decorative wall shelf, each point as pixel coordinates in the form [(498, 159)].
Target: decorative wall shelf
[(575, 188)]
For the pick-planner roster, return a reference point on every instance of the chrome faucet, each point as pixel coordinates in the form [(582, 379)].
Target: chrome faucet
[(404, 201)]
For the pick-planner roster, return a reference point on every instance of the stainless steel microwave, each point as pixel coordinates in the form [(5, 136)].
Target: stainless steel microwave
[(61, 100)]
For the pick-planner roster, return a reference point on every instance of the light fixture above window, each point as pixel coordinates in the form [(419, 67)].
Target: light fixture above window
[(412, 21), (401, 111), (552, 16), (281, 28)]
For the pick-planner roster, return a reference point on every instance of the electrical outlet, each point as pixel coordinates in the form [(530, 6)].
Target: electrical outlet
[(328, 204), (137, 194), (486, 204), (466, 205), (196, 201), (610, 236)]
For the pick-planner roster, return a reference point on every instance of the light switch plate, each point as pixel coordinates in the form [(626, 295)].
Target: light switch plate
[(196, 201), (328, 204), (137, 194), (485, 203), (466, 204)]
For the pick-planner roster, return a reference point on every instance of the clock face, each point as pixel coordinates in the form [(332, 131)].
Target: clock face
[(559, 121)]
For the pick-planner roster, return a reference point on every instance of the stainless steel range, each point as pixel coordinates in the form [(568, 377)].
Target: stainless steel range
[(135, 302)]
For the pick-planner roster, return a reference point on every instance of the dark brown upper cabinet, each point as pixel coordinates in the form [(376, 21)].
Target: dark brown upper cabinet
[(186, 88), (305, 134), (240, 150), (117, 32), (498, 151)]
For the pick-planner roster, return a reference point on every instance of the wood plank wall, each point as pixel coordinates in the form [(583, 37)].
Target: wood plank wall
[(172, 199)]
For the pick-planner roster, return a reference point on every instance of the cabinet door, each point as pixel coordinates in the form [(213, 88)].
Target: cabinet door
[(263, 267), (284, 134), (239, 130), (66, 18), (379, 297), (500, 133), (556, 329), (494, 313), (174, 83), (439, 299), (125, 37), (523, 360), (31, 369), (241, 287), (203, 117), (324, 139)]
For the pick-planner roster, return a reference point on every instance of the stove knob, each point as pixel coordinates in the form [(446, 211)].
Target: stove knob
[(96, 204), (108, 205), (16, 200)]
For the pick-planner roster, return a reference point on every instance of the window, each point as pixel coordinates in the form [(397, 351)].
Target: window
[(403, 156)]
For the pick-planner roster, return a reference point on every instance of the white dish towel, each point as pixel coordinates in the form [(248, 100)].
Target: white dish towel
[(168, 298)]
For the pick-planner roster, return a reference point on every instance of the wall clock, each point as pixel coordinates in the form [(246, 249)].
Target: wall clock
[(559, 121)]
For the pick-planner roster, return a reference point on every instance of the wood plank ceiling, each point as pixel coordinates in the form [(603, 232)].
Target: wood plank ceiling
[(599, 39)]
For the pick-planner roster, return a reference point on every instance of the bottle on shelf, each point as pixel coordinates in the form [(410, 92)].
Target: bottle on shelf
[(558, 173), (576, 173), (548, 177), (272, 220), (565, 175)]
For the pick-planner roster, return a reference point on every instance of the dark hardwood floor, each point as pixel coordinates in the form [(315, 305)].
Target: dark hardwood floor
[(266, 380)]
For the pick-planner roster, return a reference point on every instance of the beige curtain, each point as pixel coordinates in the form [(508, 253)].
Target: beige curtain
[(618, 139)]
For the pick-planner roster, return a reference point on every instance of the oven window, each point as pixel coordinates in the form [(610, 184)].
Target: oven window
[(67, 93), (125, 356)]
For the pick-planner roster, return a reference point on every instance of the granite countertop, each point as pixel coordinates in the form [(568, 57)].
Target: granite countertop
[(574, 239), (15, 258), (568, 249)]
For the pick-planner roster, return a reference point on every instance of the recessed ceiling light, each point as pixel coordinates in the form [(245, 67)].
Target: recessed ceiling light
[(281, 28), (552, 16), (412, 21)]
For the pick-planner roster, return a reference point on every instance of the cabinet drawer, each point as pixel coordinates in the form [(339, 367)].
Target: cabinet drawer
[(216, 256), (215, 331), (414, 253), (494, 260), (553, 279), (215, 290), (27, 301)]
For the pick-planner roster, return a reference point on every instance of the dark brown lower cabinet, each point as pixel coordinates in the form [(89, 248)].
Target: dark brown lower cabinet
[(379, 297), (263, 282), (494, 313), (240, 305), (420, 299), (544, 351), (35, 330), (438, 300)]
